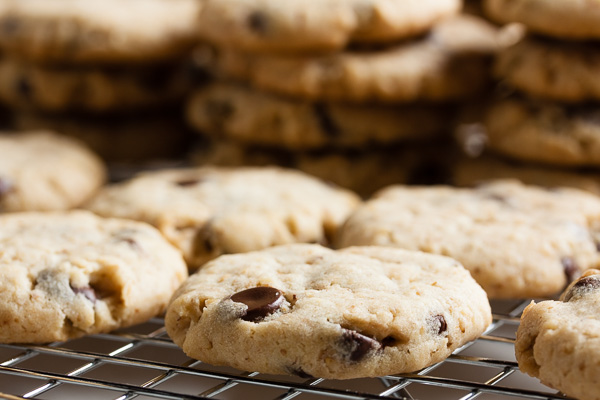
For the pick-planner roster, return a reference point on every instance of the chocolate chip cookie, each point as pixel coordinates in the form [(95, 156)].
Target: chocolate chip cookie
[(211, 211), (559, 341), (517, 241), (67, 274), (313, 312)]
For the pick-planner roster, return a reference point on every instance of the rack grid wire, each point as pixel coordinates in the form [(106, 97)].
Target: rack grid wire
[(142, 363)]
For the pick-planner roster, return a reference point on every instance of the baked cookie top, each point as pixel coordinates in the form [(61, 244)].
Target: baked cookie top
[(67, 274), (310, 311), (210, 211), (450, 62), (517, 241), (558, 18), (559, 341), (98, 31), (41, 171), (300, 25)]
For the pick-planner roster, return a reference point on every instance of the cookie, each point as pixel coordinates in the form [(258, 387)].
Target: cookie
[(266, 26), (557, 18), (545, 132), (233, 112), (98, 31), (211, 211), (552, 69), (517, 241), (42, 171), (67, 274), (90, 89), (310, 311), (559, 341), (450, 62)]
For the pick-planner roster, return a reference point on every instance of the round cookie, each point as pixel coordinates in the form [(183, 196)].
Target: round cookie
[(67, 274), (211, 211), (555, 70), (545, 132), (42, 171), (310, 311), (90, 89), (98, 31), (559, 341), (566, 19), (450, 62), (517, 241), (301, 25), (232, 112)]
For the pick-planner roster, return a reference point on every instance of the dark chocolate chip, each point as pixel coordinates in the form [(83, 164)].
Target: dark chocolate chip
[(571, 269), (9, 26), (439, 323), (357, 345), (389, 341), (6, 186), (258, 22), (188, 182), (300, 373), (325, 121), (87, 291), (23, 87), (205, 240), (261, 301), (583, 285)]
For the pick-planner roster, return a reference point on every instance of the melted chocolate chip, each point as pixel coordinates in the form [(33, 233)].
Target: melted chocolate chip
[(23, 87), (261, 301), (87, 291), (258, 22), (327, 123), (389, 341), (358, 345), (205, 240), (439, 322), (583, 285), (571, 269)]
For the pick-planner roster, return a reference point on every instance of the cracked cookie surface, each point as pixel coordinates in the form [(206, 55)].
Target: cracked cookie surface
[(310, 311)]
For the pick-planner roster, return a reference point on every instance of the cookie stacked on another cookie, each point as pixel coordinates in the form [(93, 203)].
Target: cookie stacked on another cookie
[(339, 80), (124, 62)]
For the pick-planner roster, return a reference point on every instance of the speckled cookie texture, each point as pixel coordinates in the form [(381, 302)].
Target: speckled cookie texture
[(517, 241), (310, 311), (450, 62), (552, 69), (559, 341), (235, 112), (559, 18), (545, 132), (90, 89), (42, 171), (98, 31), (67, 274), (300, 25), (209, 211)]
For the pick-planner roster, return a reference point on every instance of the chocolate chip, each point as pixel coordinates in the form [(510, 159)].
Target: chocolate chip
[(325, 121), (205, 240), (357, 345), (439, 324), (87, 291), (6, 186), (9, 26), (389, 341), (258, 22), (261, 301), (187, 182), (582, 286), (23, 87), (597, 246), (571, 269), (300, 373)]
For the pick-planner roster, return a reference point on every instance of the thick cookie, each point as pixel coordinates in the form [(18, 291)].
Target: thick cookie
[(231, 112), (90, 89), (65, 275), (545, 132), (42, 171), (451, 62), (98, 31), (551, 69), (208, 211), (517, 241), (559, 341), (300, 25), (310, 311), (559, 18)]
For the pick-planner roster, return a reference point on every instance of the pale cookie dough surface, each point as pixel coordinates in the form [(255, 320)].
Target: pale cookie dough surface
[(92, 31), (248, 116), (42, 171), (67, 274), (301, 25), (90, 89), (545, 132), (569, 19), (311, 311), (559, 341), (551, 69), (450, 62), (210, 211), (517, 241)]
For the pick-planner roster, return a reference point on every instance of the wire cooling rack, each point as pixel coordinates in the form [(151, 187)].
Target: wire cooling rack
[(143, 363)]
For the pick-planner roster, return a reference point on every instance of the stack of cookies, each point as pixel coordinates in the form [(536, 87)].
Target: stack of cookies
[(360, 93), (548, 123), (84, 69)]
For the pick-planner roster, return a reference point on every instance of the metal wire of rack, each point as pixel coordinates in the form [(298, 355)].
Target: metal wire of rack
[(143, 363)]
